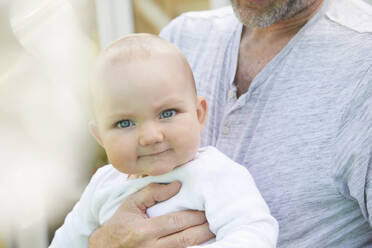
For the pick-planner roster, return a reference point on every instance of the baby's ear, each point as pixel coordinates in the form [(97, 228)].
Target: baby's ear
[(93, 128), (201, 110)]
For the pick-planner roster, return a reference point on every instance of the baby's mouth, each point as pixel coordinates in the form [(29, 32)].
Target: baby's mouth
[(153, 153)]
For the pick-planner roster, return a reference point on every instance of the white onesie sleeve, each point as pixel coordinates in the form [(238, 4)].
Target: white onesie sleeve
[(81, 221), (235, 210)]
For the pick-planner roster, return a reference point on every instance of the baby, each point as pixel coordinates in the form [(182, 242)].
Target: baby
[(148, 118)]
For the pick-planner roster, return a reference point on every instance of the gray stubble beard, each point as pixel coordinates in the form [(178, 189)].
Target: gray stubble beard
[(276, 12)]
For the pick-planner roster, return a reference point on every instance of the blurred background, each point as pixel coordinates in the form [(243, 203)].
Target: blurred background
[(47, 51)]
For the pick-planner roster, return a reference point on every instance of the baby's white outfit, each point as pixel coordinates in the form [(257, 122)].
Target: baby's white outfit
[(235, 210)]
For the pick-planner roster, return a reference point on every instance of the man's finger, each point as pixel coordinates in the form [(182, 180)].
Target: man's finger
[(176, 222), (193, 236), (154, 193)]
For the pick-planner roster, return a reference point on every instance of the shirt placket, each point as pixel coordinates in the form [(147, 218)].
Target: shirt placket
[(230, 129)]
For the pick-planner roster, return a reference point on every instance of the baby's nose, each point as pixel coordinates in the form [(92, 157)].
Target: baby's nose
[(150, 134)]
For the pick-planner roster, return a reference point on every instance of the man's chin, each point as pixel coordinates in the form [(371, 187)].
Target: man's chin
[(254, 21), (265, 17)]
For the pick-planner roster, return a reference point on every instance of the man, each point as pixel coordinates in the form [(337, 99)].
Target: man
[(289, 87)]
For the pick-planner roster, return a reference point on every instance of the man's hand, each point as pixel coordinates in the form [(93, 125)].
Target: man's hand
[(130, 227)]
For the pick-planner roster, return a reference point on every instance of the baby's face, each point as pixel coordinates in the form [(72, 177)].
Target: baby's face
[(148, 118)]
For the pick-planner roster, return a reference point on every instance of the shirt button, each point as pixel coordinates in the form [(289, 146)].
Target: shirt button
[(232, 95), (225, 129)]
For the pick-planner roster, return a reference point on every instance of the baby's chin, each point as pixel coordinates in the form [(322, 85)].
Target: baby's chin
[(159, 170), (155, 169), (163, 167)]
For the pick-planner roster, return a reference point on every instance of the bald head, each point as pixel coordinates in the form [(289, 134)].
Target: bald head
[(135, 61), (141, 47)]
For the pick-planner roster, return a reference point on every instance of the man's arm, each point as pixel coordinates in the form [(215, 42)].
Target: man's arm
[(130, 227)]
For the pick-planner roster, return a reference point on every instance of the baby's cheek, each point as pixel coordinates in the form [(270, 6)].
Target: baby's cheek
[(190, 141), (122, 160)]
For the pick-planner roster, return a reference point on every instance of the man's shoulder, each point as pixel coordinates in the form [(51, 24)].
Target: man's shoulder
[(355, 15), (345, 36)]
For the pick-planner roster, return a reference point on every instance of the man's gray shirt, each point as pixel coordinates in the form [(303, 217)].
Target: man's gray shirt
[(304, 128)]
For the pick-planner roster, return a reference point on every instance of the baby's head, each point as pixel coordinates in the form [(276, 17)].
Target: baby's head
[(148, 117)]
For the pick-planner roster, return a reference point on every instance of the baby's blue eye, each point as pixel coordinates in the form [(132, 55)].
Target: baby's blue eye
[(124, 124), (167, 113)]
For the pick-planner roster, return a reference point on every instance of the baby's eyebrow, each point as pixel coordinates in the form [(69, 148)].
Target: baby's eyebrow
[(168, 101), (119, 115)]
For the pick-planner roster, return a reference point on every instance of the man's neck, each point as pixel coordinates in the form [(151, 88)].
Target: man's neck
[(284, 28), (259, 46)]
